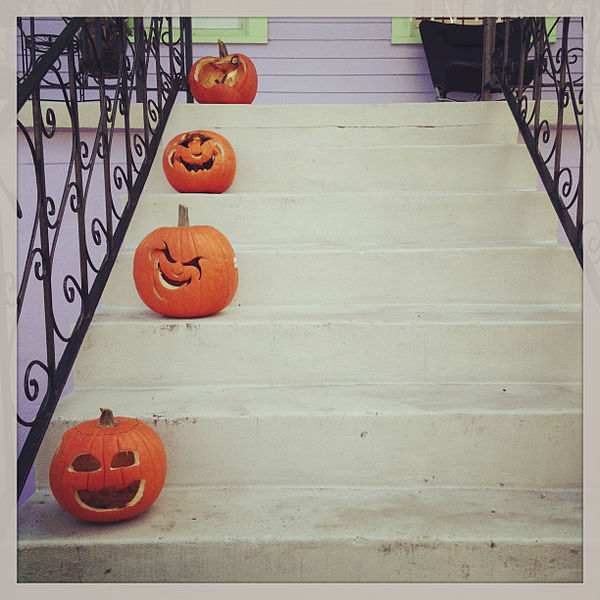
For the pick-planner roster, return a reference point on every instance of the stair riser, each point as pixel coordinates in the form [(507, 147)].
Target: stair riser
[(386, 217), (288, 169), (329, 560), (207, 116), (248, 141), (221, 351), (408, 449), (287, 277)]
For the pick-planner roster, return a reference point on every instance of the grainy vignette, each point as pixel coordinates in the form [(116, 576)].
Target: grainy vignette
[(7, 298), (587, 8)]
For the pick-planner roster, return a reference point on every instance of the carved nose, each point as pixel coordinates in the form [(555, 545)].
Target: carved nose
[(196, 147)]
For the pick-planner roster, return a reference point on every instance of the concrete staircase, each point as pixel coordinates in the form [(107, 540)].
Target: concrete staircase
[(394, 394)]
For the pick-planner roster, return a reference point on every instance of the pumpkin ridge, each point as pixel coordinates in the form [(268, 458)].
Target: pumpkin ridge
[(133, 444), (152, 451), (97, 451)]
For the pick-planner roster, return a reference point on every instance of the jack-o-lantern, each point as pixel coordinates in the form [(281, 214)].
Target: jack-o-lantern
[(199, 161), (185, 271), (226, 79), (108, 469)]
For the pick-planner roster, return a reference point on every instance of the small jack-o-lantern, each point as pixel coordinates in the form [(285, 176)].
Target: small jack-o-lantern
[(185, 271), (199, 161), (108, 469), (226, 79)]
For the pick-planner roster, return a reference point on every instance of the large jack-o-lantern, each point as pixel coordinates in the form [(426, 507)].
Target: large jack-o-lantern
[(199, 161), (226, 79), (108, 469), (185, 271)]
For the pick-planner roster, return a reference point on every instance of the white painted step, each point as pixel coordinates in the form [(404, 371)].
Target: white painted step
[(334, 344), (282, 274), (356, 217), (421, 115), (293, 168), (289, 534), (404, 435), (245, 139)]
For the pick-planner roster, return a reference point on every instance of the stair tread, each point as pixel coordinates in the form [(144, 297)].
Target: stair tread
[(422, 195), (376, 114), (287, 534), (258, 115), (264, 512), (336, 400), (358, 313), (335, 246)]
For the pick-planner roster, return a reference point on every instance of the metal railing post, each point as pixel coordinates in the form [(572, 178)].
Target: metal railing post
[(489, 43)]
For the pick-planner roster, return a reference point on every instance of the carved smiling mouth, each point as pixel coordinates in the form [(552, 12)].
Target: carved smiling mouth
[(172, 284), (112, 498)]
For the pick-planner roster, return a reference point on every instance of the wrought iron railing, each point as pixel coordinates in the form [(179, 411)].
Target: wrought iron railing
[(555, 72), (77, 214)]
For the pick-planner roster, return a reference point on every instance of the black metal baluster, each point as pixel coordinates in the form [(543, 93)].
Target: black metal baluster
[(78, 176), (561, 93), (140, 73), (43, 272), (186, 53)]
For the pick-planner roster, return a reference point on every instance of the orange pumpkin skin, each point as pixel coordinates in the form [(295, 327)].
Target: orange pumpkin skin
[(108, 473), (199, 162), (185, 271), (227, 79)]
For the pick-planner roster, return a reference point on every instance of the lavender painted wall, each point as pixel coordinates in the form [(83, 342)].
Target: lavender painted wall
[(334, 60), (337, 61)]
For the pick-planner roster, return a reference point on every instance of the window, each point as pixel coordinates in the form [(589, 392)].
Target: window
[(232, 30)]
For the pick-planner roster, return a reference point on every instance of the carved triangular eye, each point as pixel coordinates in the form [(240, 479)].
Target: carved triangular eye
[(85, 463), (126, 458)]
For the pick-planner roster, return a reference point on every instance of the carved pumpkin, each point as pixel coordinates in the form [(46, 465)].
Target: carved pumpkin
[(226, 79), (108, 469), (185, 271), (199, 161)]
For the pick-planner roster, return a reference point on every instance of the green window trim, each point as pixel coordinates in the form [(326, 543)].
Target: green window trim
[(253, 30), (406, 31)]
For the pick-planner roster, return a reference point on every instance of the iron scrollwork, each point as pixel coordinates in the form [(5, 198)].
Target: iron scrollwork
[(557, 81), (72, 221)]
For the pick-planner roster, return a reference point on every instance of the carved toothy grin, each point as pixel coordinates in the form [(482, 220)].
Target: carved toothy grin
[(195, 167), (111, 498), (192, 167)]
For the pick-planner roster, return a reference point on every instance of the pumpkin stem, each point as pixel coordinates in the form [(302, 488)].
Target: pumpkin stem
[(107, 419), (222, 49), (183, 217)]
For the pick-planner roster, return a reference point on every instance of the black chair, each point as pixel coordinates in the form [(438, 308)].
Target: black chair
[(454, 55)]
